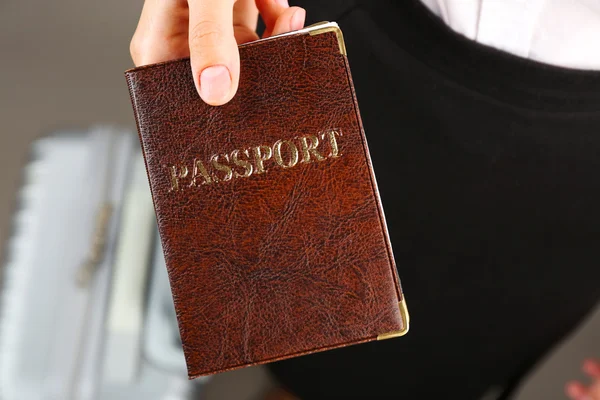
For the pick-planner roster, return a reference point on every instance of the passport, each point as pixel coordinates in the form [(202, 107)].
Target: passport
[(268, 210)]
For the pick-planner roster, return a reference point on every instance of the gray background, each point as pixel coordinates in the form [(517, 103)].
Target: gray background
[(61, 66)]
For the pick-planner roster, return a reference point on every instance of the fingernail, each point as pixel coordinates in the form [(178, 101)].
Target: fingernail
[(283, 3), (215, 84), (298, 19)]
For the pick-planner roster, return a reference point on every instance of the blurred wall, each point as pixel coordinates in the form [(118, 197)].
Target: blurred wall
[(61, 66)]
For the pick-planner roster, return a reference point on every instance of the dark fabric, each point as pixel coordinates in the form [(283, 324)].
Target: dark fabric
[(489, 172)]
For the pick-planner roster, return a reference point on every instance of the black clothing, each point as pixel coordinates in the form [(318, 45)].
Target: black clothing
[(489, 172)]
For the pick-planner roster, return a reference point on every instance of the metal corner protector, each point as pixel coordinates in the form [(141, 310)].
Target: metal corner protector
[(315, 30), (405, 320)]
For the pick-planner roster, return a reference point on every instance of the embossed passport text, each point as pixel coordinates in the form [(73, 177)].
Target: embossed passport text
[(268, 210)]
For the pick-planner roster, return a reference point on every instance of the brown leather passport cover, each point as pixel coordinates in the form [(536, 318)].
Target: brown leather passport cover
[(268, 210)]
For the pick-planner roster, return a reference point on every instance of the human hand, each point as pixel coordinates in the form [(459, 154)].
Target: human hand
[(578, 391), (208, 31)]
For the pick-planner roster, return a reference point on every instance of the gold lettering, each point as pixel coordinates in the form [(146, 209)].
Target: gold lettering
[(310, 149), (177, 174), (247, 165), (293, 153), (221, 167), (262, 153), (330, 134), (285, 153), (200, 170)]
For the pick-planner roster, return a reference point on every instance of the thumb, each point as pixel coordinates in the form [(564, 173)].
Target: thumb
[(213, 50)]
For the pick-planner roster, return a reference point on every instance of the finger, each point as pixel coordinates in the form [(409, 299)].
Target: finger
[(292, 19), (161, 33), (245, 12), (213, 50), (245, 21), (594, 391), (592, 368), (271, 10), (577, 391)]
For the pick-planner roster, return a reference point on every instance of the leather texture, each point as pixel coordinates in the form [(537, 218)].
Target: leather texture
[(279, 264)]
